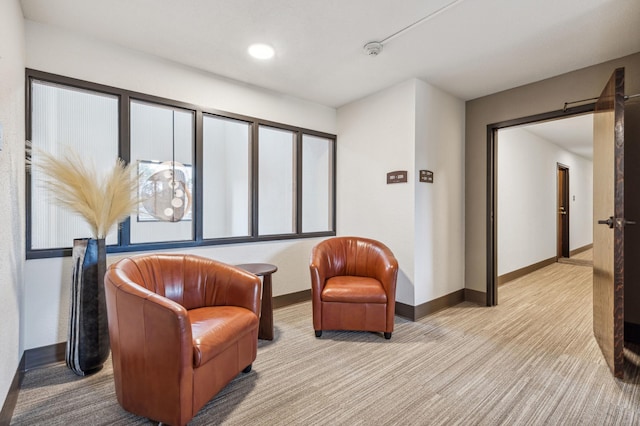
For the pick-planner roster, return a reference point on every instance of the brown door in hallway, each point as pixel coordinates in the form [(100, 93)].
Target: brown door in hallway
[(608, 215), (563, 211)]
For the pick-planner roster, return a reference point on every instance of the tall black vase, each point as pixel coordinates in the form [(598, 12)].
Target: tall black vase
[(88, 338)]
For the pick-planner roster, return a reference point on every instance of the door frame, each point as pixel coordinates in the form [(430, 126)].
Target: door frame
[(563, 245), (492, 182)]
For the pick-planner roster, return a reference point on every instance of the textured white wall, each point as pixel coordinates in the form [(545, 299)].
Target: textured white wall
[(527, 205), (12, 60), (56, 51)]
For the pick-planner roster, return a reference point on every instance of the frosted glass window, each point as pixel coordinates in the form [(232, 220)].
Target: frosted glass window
[(226, 178), (66, 119), (276, 177), (205, 177), (317, 184), (162, 141)]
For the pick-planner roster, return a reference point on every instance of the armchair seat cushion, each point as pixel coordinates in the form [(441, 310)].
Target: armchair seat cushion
[(216, 328), (353, 289)]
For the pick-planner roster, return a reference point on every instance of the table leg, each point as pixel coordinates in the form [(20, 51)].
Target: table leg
[(265, 331)]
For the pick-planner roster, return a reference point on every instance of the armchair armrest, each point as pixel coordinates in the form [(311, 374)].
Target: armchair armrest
[(323, 265), (137, 315), (386, 271), (318, 275), (234, 287)]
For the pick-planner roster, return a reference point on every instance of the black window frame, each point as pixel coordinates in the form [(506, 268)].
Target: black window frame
[(124, 143)]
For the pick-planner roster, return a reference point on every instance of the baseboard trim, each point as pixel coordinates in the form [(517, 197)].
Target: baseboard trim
[(12, 396), (580, 250), (291, 299), (409, 312), (510, 276), (405, 311), (414, 313), (44, 355), (475, 296)]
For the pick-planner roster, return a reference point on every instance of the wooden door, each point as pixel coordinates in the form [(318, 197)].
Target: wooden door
[(563, 211), (608, 214)]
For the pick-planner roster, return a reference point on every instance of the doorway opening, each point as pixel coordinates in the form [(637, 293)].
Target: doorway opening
[(563, 212), (493, 241)]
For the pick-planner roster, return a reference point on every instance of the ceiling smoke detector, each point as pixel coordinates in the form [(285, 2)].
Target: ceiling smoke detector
[(373, 48)]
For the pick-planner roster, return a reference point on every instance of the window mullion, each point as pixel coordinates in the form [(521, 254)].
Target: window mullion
[(254, 179), (198, 204), (298, 183), (124, 149)]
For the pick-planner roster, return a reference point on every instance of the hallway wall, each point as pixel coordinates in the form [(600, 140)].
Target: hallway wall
[(527, 199)]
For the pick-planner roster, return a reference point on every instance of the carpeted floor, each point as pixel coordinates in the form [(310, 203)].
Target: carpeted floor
[(530, 360)]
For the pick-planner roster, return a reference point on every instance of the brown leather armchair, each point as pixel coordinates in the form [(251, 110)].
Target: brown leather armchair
[(181, 328), (353, 285)]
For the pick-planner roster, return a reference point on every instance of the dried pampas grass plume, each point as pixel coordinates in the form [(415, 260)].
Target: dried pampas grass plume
[(103, 201)]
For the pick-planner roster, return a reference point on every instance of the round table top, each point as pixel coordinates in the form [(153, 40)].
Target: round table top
[(258, 268)]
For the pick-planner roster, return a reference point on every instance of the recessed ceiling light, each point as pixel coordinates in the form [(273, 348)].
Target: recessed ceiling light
[(261, 51)]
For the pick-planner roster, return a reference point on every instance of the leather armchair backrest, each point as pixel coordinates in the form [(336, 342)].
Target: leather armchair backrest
[(353, 256), (192, 281)]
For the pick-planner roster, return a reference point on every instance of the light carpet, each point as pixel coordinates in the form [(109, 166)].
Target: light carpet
[(530, 360)]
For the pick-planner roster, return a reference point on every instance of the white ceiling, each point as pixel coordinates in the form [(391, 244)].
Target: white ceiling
[(470, 49), (575, 134)]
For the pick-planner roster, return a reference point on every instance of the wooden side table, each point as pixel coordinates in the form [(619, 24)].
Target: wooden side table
[(264, 270)]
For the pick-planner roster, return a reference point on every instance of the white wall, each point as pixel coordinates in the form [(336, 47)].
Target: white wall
[(527, 203), (377, 136), (406, 127), (439, 218), (581, 200), (47, 281), (12, 241)]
